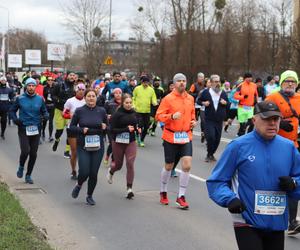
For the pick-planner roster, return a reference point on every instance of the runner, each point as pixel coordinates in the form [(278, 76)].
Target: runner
[(143, 97), (48, 93), (289, 104), (116, 83), (31, 109), (178, 113), (253, 182), (89, 122), (123, 126), (6, 97), (69, 108), (62, 92), (247, 95), (110, 108)]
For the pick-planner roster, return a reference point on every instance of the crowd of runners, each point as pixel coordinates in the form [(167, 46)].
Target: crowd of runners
[(256, 178)]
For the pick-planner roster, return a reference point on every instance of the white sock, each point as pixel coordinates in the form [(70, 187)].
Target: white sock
[(164, 179), (183, 183)]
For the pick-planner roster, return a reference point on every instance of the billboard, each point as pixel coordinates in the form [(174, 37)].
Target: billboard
[(14, 61), (56, 52), (33, 57)]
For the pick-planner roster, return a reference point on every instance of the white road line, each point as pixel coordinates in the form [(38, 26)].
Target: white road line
[(222, 139), (193, 176)]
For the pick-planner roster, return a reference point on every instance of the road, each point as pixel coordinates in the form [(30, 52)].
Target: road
[(142, 223)]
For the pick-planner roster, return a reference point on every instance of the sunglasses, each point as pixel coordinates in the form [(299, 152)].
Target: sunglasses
[(290, 81)]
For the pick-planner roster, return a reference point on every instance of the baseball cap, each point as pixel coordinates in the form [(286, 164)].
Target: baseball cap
[(267, 109)]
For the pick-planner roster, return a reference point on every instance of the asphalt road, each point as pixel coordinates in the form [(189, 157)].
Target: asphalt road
[(142, 223)]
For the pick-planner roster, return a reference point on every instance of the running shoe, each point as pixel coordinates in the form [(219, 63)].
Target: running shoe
[(90, 200), (182, 203), (50, 139), (76, 191), (28, 179), (173, 173), (226, 128), (109, 177), (3, 137), (142, 144), (152, 133), (130, 194), (67, 155), (207, 159), (164, 198), (212, 158), (55, 145), (294, 228), (20, 172), (106, 160)]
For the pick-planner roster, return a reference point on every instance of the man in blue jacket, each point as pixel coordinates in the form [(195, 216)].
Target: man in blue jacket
[(253, 179), (6, 97), (31, 111), (216, 105)]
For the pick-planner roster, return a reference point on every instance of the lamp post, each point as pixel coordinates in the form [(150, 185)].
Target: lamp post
[(7, 33)]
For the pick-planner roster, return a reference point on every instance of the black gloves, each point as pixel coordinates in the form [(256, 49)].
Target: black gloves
[(245, 96), (286, 125), (287, 183), (236, 206), (18, 122)]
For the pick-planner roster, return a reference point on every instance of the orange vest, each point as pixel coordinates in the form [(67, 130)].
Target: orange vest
[(172, 103), (288, 114)]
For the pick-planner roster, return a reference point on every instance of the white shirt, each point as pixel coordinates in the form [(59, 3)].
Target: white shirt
[(73, 103), (215, 97)]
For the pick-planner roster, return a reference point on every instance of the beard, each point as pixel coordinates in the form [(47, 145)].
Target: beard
[(216, 89)]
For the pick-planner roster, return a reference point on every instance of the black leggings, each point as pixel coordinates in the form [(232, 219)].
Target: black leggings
[(249, 238), (144, 120), (29, 147), (50, 126), (3, 115)]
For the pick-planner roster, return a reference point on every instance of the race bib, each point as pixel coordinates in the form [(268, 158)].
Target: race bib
[(181, 137), (247, 108), (92, 142), (123, 138), (32, 130), (270, 202), (49, 97), (4, 97)]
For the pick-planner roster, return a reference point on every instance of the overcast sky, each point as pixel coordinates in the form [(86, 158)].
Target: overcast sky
[(46, 16)]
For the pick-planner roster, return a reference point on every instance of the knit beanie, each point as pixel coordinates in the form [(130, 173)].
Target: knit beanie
[(179, 77), (288, 73)]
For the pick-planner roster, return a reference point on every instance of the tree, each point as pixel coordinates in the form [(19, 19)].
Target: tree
[(84, 18)]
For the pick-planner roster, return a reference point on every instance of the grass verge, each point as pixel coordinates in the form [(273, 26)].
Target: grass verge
[(16, 228)]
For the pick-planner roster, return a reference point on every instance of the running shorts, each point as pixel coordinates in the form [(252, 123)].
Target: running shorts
[(172, 150), (60, 122), (244, 114)]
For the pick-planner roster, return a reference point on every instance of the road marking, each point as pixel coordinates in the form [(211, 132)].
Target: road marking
[(222, 139), (192, 176)]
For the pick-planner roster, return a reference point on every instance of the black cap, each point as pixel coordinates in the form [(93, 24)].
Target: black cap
[(145, 79), (267, 109), (36, 77)]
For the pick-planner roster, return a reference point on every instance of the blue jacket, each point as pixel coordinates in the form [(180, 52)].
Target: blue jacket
[(251, 163), (6, 97), (31, 110), (211, 114), (113, 85)]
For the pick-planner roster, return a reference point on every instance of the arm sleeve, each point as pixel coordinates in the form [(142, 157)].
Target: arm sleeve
[(74, 122), (295, 174), (162, 113), (219, 183), (238, 95), (154, 99)]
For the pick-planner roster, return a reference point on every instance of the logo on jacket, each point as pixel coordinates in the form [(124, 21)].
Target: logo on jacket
[(251, 158)]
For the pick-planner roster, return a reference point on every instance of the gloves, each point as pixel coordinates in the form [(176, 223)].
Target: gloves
[(236, 206), (287, 183), (286, 125), (245, 96), (18, 122)]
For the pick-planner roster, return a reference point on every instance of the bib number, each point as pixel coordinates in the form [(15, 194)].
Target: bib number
[(123, 138), (247, 108), (92, 142), (181, 137), (32, 130), (3, 97), (270, 202)]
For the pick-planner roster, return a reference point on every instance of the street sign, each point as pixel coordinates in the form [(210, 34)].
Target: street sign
[(33, 57), (56, 52), (14, 61), (108, 61)]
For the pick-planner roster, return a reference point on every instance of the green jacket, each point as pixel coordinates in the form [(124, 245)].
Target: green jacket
[(143, 98)]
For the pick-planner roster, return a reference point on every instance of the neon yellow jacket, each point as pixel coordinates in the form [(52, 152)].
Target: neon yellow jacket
[(143, 98)]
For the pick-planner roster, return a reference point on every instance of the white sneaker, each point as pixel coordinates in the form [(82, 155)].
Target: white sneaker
[(109, 177), (130, 194)]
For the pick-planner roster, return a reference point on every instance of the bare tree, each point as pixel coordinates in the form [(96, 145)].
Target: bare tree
[(82, 17)]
